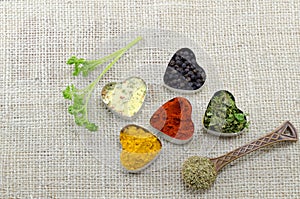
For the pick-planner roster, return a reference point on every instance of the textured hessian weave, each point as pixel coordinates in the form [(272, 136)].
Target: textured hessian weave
[(254, 44)]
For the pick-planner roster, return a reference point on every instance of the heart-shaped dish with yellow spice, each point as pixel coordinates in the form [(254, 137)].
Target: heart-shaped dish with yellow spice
[(140, 148)]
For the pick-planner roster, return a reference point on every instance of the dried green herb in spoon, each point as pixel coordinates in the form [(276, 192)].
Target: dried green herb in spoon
[(81, 97), (201, 172)]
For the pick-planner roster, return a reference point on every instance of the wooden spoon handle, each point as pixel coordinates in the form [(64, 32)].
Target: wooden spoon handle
[(286, 132)]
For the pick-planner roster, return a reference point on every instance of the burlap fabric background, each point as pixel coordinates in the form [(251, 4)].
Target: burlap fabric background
[(254, 45)]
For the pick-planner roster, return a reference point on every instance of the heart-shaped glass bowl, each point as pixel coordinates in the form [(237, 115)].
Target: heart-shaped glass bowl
[(147, 60), (183, 73), (222, 116), (125, 98)]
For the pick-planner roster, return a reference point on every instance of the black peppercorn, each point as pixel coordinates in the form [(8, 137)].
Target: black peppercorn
[(178, 62), (183, 72), (190, 73)]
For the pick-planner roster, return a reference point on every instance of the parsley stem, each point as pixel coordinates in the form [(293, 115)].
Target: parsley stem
[(122, 51), (116, 53)]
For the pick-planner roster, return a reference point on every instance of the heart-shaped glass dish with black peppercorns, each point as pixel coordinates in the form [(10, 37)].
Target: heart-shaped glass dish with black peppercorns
[(149, 60), (183, 73)]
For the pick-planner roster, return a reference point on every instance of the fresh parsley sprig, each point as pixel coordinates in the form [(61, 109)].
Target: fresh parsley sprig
[(81, 97), (86, 66)]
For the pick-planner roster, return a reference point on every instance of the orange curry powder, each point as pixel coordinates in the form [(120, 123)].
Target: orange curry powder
[(174, 119)]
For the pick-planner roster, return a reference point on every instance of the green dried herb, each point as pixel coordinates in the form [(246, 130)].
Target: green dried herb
[(198, 173), (222, 114)]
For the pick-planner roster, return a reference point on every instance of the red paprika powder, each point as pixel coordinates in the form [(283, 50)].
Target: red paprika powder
[(173, 119)]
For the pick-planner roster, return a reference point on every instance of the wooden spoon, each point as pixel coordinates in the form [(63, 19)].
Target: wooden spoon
[(200, 172)]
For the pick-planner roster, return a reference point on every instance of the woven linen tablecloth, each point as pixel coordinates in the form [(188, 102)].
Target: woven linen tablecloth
[(254, 48)]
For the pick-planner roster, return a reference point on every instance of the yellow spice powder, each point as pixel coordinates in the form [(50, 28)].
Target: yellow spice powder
[(140, 147)]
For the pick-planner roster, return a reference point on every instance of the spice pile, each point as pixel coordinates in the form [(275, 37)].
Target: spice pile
[(198, 172)]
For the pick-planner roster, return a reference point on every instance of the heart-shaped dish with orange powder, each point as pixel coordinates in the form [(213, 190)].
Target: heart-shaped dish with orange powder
[(173, 120)]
